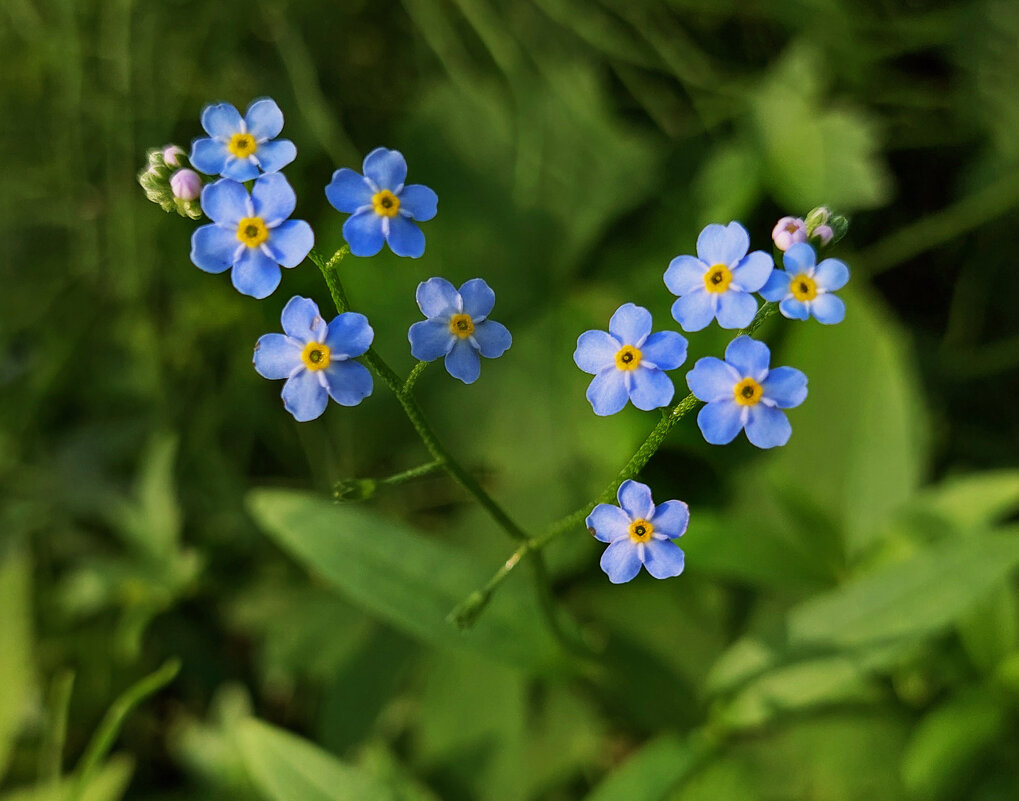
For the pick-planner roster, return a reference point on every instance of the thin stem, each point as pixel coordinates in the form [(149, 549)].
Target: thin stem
[(52, 752), (412, 473), (415, 373)]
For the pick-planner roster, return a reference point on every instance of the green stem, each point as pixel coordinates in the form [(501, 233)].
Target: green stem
[(415, 373), (412, 473), (52, 752)]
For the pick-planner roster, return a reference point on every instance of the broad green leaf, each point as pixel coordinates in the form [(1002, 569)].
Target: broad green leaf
[(285, 767), (990, 630), (650, 773), (15, 647), (109, 784), (722, 779), (947, 742), (402, 576), (973, 501)]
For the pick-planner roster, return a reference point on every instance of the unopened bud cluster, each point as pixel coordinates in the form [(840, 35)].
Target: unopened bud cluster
[(169, 181), (820, 227)]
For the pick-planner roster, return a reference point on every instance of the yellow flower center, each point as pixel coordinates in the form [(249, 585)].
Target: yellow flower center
[(252, 231), (315, 356), (242, 145), (717, 278), (747, 392), (641, 530), (385, 203), (803, 287), (461, 324), (628, 358)]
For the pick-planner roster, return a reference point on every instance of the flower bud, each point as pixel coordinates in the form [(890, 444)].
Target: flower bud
[(186, 184), (824, 233), (174, 156), (816, 217), (788, 231)]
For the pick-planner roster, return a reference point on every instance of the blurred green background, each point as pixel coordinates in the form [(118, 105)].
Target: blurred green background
[(847, 626)]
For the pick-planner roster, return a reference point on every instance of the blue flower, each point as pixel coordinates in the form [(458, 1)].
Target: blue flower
[(382, 206), (316, 359), (457, 327), (239, 148), (639, 533), (742, 392), (804, 289), (251, 233), (628, 362), (719, 281)]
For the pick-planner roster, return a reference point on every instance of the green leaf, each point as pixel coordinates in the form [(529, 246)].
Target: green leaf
[(285, 767), (151, 522), (652, 772), (109, 784), (15, 651), (399, 575), (973, 501)]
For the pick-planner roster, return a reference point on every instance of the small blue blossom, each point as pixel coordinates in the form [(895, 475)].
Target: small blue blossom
[(742, 393), (639, 533), (718, 282), (241, 147), (382, 206), (628, 361), (316, 359), (805, 288), (457, 327), (251, 233)]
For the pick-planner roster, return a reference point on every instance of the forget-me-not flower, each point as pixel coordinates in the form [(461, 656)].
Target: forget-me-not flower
[(316, 359), (241, 147), (639, 533), (742, 393), (457, 327), (251, 233), (804, 288), (382, 205), (628, 362), (718, 282)]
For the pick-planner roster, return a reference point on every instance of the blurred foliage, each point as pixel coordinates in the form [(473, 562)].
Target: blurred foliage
[(847, 627)]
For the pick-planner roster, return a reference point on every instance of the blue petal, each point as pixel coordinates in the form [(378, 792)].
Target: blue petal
[(478, 298), (828, 309), (736, 309), (768, 426), (635, 500), (430, 339), (493, 338), (405, 238), (608, 523), (209, 156), (750, 357), (596, 351), (663, 558), (786, 386), (290, 242), (436, 297), (419, 201), (214, 248), (348, 191), (274, 156), (723, 244), (463, 362), (276, 356), (650, 388), (620, 561), (264, 119), (272, 198), (712, 380), (348, 382), (240, 169), (221, 119), (794, 309), (304, 396), (349, 334), (607, 392), (386, 168), (720, 421), (684, 274), (363, 232), (777, 286), (255, 274), (671, 518), (302, 320), (666, 349), (799, 258), (225, 201), (831, 274), (752, 273), (630, 324), (694, 310)]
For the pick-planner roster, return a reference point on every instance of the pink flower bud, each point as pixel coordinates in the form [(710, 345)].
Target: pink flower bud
[(824, 233), (186, 184), (788, 231), (173, 156)]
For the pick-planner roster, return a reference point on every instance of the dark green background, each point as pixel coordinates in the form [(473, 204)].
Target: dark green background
[(847, 625)]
